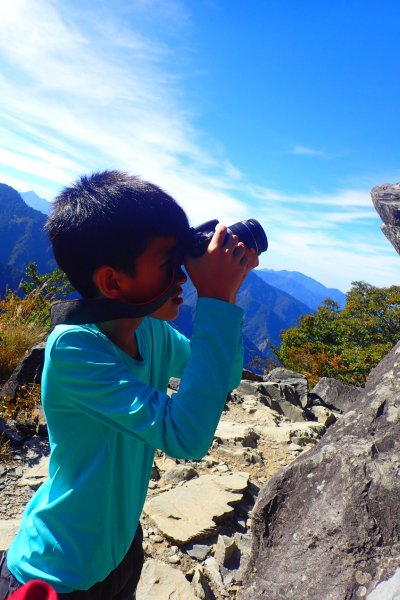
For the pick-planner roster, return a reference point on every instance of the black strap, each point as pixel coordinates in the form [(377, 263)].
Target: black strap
[(97, 310)]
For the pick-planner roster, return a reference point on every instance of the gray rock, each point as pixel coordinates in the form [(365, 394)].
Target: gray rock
[(198, 551), (327, 526), (179, 473), (334, 394), (29, 370), (290, 378), (386, 199), (387, 590)]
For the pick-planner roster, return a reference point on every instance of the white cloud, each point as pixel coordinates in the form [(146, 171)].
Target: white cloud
[(90, 106), (306, 151), (81, 91)]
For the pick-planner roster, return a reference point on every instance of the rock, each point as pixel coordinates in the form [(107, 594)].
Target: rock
[(386, 199), (200, 586), (323, 415), (289, 432), (283, 399), (250, 376), (35, 475), (8, 430), (29, 370), (173, 383), (174, 515), (290, 378), (179, 473), (329, 521), (159, 580), (165, 463), (229, 431), (387, 590), (8, 530), (198, 551), (225, 549), (335, 394), (211, 568)]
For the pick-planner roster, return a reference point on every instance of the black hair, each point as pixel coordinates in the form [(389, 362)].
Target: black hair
[(109, 218)]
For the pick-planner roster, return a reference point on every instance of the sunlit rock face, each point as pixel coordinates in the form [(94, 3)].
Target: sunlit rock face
[(386, 199), (327, 526)]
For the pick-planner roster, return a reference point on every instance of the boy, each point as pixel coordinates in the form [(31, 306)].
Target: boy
[(104, 384)]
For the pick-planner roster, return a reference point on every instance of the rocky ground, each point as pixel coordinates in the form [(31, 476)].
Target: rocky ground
[(197, 516)]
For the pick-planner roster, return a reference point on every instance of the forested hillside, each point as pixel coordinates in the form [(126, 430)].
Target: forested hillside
[(22, 238)]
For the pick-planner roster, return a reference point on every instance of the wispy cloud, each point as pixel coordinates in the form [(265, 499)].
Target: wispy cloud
[(82, 90), (94, 95), (307, 151)]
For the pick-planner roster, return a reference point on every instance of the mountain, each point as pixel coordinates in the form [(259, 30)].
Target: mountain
[(267, 312), (36, 202), (303, 288), (22, 239)]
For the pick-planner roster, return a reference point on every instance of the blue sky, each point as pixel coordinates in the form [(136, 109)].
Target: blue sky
[(285, 111)]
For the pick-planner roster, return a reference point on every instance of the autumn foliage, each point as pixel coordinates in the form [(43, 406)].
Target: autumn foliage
[(344, 344)]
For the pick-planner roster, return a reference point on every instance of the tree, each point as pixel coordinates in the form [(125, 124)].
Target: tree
[(52, 286), (344, 344)]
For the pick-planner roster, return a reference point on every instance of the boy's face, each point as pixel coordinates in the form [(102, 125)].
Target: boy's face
[(153, 272)]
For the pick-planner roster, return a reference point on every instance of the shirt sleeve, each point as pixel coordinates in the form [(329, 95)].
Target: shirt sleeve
[(181, 346), (92, 380)]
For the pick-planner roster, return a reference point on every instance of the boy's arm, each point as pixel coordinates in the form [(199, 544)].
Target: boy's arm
[(181, 352), (89, 378)]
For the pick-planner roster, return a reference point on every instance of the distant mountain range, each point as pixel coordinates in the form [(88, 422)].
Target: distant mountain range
[(22, 239), (272, 300), (267, 312), (304, 288), (36, 202)]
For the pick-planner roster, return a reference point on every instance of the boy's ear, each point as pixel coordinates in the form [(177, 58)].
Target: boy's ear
[(107, 280)]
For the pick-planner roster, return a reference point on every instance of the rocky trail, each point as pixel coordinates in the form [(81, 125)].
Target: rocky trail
[(197, 519)]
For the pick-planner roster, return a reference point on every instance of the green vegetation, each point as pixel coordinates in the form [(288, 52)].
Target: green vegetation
[(344, 344), (25, 321)]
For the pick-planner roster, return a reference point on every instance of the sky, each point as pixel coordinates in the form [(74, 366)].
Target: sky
[(285, 111)]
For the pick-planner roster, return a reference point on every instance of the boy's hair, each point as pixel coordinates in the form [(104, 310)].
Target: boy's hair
[(109, 218)]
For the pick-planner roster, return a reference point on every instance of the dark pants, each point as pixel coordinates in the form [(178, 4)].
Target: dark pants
[(120, 584)]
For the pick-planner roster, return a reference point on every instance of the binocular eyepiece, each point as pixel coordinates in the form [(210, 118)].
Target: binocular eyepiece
[(249, 232)]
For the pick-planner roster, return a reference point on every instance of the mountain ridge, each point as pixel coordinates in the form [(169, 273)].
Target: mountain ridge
[(268, 309), (34, 201), (302, 287)]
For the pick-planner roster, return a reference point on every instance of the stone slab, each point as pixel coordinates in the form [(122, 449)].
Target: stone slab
[(8, 530), (192, 511), (159, 581)]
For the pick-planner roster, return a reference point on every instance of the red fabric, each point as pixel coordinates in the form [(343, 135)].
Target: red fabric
[(34, 590)]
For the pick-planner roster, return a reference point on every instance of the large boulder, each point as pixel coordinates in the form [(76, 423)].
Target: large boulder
[(327, 526), (386, 199), (296, 381), (334, 394)]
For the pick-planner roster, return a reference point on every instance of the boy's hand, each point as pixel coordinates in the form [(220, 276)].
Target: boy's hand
[(220, 271)]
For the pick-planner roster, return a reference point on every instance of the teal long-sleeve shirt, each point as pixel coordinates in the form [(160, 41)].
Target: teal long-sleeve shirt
[(106, 415)]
